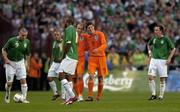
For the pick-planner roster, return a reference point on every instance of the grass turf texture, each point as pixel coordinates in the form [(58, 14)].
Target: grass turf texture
[(133, 100), (111, 102)]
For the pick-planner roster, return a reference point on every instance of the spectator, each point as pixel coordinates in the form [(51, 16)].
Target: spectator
[(138, 59), (34, 72), (113, 57)]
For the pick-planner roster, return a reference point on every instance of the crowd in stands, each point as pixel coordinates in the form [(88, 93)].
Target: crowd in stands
[(127, 24)]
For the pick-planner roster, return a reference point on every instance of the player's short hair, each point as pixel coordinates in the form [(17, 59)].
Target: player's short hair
[(56, 30), (161, 27), (80, 23), (70, 20), (89, 23), (23, 29)]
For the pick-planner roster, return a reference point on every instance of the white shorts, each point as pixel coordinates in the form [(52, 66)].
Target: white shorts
[(68, 65), (54, 70), (158, 66), (15, 68)]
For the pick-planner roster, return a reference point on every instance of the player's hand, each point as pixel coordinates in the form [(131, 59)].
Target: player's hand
[(168, 61), (95, 51), (148, 61), (7, 61), (60, 59)]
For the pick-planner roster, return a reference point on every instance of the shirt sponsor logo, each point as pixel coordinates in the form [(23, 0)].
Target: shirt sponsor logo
[(112, 83)]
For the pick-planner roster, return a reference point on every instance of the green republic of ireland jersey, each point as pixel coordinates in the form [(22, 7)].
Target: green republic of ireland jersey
[(17, 49), (56, 50), (161, 47), (71, 37)]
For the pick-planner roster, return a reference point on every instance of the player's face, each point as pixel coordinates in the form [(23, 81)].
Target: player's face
[(157, 31), (57, 35), (90, 29), (23, 35), (79, 28)]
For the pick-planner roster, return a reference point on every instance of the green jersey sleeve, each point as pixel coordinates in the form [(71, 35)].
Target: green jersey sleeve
[(151, 41), (28, 50), (69, 34), (7, 45), (170, 43)]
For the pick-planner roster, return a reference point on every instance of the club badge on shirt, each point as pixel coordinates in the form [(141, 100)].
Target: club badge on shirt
[(16, 44), (96, 37), (25, 45), (81, 38), (162, 42)]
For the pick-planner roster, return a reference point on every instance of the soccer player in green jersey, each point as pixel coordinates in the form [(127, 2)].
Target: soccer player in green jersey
[(15, 50), (55, 67), (69, 58), (161, 50)]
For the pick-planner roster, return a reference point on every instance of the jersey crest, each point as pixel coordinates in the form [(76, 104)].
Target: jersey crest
[(81, 38), (16, 44), (25, 45), (96, 37), (162, 42)]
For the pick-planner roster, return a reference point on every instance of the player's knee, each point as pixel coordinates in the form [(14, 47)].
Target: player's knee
[(79, 78), (162, 80), (150, 78), (9, 84), (100, 80), (61, 76), (23, 81), (91, 77), (49, 79)]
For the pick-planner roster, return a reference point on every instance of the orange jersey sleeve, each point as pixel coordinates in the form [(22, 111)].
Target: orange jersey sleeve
[(82, 44), (97, 41)]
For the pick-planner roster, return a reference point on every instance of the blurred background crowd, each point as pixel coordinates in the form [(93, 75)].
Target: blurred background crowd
[(127, 24)]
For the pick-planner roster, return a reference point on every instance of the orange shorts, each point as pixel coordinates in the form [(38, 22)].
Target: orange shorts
[(80, 66), (99, 64)]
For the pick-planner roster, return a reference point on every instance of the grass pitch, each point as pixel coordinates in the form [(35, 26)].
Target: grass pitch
[(111, 102)]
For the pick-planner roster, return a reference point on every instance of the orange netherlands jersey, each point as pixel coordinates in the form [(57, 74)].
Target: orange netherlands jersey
[(82, 44), (97, 41)]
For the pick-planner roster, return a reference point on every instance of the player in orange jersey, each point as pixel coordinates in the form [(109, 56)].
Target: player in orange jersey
[(96, 61), (82, 43)]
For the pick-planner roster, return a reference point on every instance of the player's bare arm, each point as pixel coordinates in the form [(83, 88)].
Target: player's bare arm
[(4, 53), (170, 56), (149, 51), (27, 63)]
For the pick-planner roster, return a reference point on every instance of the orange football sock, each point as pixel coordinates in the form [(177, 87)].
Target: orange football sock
[(90, 88), (81, 86), (100, 90)]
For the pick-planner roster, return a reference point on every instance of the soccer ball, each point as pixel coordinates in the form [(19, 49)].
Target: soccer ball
[(18, 97)]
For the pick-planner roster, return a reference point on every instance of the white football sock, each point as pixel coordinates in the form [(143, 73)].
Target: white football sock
[(8, 88), (71, 84), (63, 92), (68, 88), (162, 89), (152, 86), (53, 87), (24, 89)]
